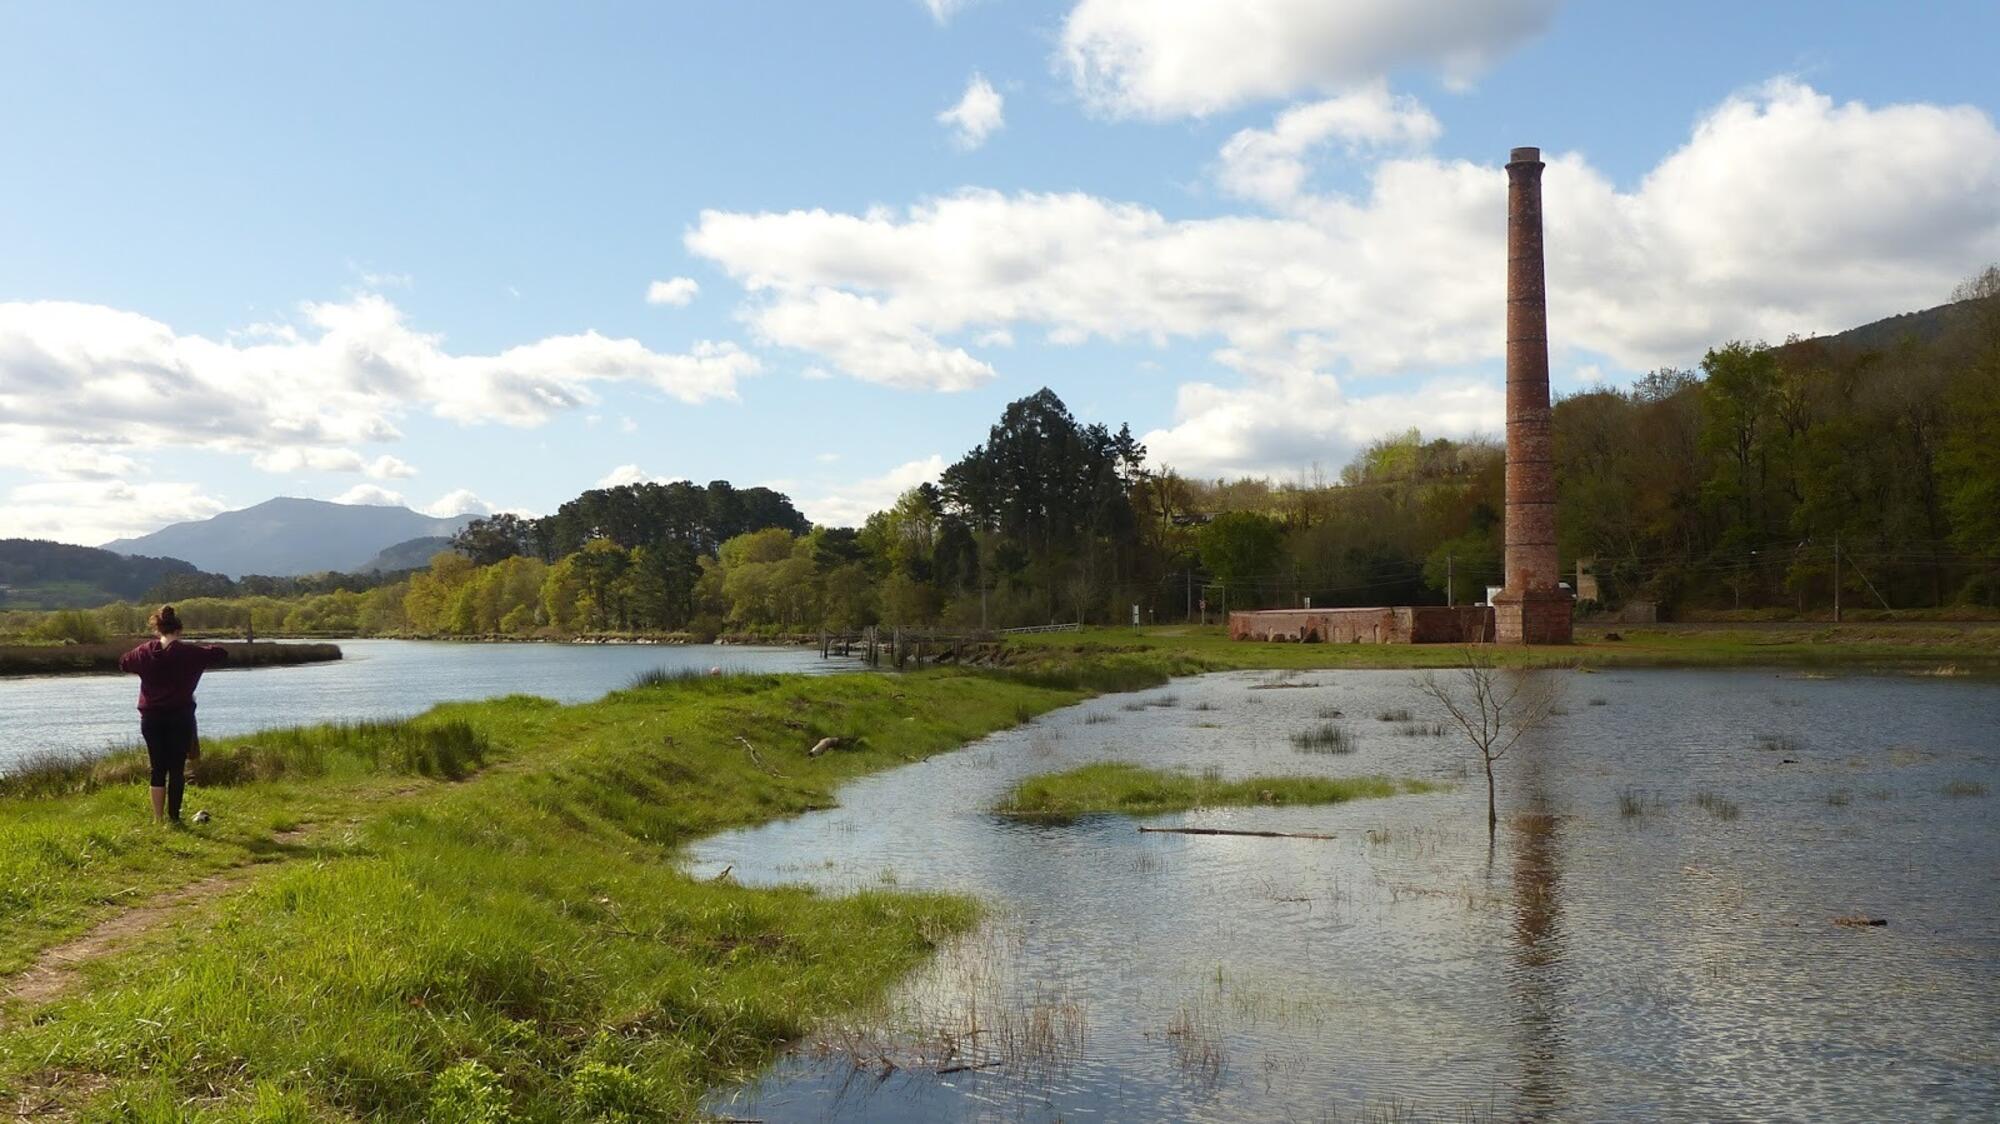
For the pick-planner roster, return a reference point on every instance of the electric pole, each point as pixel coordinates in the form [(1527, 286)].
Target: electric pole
[(1450, 599), (1836, 577)]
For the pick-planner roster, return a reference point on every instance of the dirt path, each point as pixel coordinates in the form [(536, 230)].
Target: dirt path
[(59, 966)]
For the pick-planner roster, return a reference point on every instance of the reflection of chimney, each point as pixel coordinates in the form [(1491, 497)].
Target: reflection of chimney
[(1533, 608)]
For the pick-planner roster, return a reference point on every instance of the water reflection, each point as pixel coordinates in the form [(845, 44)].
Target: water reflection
[(1536, 954), (1586, 964)]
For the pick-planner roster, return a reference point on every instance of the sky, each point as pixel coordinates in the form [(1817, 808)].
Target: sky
[(480, 257)]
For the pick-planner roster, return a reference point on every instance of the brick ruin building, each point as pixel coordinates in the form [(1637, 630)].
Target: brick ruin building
[(1534, 606)]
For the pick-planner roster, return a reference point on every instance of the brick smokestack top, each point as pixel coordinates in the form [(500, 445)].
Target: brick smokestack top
[(1533, 608)]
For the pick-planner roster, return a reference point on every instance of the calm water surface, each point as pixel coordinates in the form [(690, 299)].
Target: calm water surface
[(376, 679), (1677, 964)]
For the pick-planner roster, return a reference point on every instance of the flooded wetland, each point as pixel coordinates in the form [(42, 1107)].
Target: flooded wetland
[(1711, 894)]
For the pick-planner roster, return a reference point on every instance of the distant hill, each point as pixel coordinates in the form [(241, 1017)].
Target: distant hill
[(413, 555), (50, 575), (1926, 327), (286, 536)]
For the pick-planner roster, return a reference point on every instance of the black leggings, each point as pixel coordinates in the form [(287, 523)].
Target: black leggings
[(169, 739)]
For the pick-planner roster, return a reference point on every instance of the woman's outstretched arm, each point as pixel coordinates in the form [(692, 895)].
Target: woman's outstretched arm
[(135, 661)]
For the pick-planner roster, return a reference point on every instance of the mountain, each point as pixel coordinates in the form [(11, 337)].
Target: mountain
[(413, 555), (50, 575), (286, 536)]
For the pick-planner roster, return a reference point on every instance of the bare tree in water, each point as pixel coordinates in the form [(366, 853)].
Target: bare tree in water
[(1492, 707)]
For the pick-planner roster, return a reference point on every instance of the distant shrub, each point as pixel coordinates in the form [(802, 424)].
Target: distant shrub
[(70, 626)]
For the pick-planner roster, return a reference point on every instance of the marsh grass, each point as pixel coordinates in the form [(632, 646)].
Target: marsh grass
[(1328, 713), (1636, 802), (1399, 714), (1194, 1032), (1327, 737), (1964, 788), (1099, 718), (1718, 806), (1419, 730), (1778, 743), (1131, 790)]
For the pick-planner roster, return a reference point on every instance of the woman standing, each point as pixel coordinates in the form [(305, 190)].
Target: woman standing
[(168, 669)]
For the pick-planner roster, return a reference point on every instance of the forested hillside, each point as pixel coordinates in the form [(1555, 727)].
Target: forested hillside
[(48, 575)]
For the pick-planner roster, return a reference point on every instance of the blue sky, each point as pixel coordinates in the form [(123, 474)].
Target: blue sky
[(381, 251)]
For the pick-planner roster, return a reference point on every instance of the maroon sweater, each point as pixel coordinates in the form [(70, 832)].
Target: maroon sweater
[(168, 673)]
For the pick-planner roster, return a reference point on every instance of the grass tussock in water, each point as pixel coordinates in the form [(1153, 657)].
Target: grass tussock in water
[(518, 945), (1327, 737), (1136, 791), (1718, 806)]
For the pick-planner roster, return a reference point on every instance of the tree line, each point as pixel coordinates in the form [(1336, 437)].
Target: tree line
[(1755, 483)]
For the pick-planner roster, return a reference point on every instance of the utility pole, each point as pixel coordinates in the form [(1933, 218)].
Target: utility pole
[(1836, 577), (1190, 585), (1449, 600)]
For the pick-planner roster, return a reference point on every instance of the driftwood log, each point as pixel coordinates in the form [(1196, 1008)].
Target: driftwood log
[(823, 745), (1233, 831)]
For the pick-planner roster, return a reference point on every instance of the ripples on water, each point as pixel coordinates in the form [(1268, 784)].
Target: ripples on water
[(1625, 950), (375, 679)]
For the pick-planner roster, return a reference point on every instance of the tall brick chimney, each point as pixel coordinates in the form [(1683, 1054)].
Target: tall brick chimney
[(1533, 608)]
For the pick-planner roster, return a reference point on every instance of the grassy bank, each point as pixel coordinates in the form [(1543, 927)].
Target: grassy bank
[(519, 938), (1972, 647), (1132, 790), (65, 659)]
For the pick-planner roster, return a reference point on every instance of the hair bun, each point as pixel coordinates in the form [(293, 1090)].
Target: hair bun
[(164, 619)]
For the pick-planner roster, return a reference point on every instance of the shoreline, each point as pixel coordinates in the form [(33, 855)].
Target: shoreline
[(34, 660)]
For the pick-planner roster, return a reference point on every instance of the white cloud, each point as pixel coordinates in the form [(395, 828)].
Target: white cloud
[(75, 373), (96, 511), (978, 114), (460, 502), (943, 10), (632, 474), (1590, 373), (1277, 425), (1170, 58), (1269, 165), (372, 495), (850, 505), (622, 475), (309, 458), (1783, 212), (677, 291)]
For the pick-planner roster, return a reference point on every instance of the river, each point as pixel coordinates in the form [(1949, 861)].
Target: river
[(1651, 936), (374, 679)]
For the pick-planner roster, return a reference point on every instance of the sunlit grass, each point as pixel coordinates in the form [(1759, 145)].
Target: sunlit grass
[(1133, 790)]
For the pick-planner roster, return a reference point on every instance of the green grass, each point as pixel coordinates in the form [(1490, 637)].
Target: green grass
[(1136, 791), (1327, 737), (1187, 649), (521, 937)]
